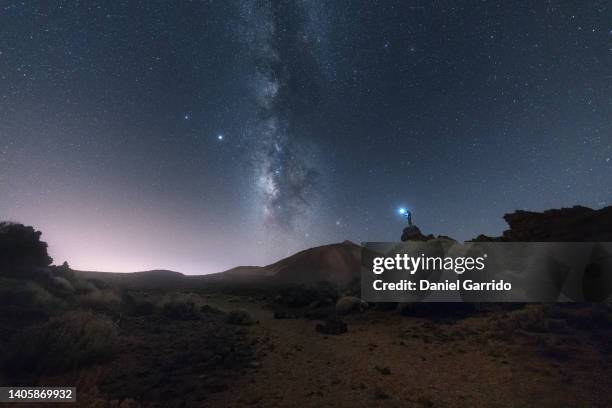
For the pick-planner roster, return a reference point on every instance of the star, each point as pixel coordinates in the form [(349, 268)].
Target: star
[(187, 116), (220, 137)]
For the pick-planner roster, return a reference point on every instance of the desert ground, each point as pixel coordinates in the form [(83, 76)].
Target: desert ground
[(532, 355), (386, 359)]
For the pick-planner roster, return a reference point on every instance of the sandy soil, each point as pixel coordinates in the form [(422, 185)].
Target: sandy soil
[(384, 360), (394, 361)]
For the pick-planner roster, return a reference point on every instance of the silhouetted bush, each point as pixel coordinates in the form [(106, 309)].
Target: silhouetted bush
[(21, 250), (179, 309), (304, 295), (70, 341), (105, 300)]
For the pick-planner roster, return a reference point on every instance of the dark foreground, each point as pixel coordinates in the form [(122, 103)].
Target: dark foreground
[(165, 349)]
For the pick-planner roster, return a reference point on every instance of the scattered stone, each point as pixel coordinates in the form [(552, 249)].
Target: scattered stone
[(380, 394), (254, 364), (383, 370), (283, 314)]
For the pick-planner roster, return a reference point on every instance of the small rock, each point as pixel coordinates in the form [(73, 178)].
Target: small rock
[(380, 394), (283, 314), (332, 326), (383, 370)]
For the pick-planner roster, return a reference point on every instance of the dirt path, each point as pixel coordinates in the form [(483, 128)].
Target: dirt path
[(389, 360)]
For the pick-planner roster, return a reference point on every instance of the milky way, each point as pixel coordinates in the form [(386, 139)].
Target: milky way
[(285, 89)]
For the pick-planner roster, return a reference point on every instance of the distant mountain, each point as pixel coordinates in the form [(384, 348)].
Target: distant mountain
[(336, 263)]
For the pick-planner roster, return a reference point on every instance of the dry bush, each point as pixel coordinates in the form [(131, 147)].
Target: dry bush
[(304, 295), (533, 318), (26, 299), (70, 341), (185, 306), (106, 300), (208, 309), (179, 307)]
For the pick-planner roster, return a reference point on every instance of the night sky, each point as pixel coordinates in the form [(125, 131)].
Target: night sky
[(201, 135)]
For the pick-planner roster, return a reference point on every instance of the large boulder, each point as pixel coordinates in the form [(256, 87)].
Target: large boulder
[(350, 304), (413, 233)]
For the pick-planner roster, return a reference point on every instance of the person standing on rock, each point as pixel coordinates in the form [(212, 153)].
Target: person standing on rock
[(408, 214)]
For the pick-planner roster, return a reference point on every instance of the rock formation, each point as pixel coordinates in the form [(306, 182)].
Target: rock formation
[(576, 224)]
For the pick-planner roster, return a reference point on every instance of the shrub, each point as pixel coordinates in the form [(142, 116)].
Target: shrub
[(179, 309), (61, 286), (239, 317), (105, 300), (27, 299), (304, 295), (534, 318), (70, 341), (208, 309)]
